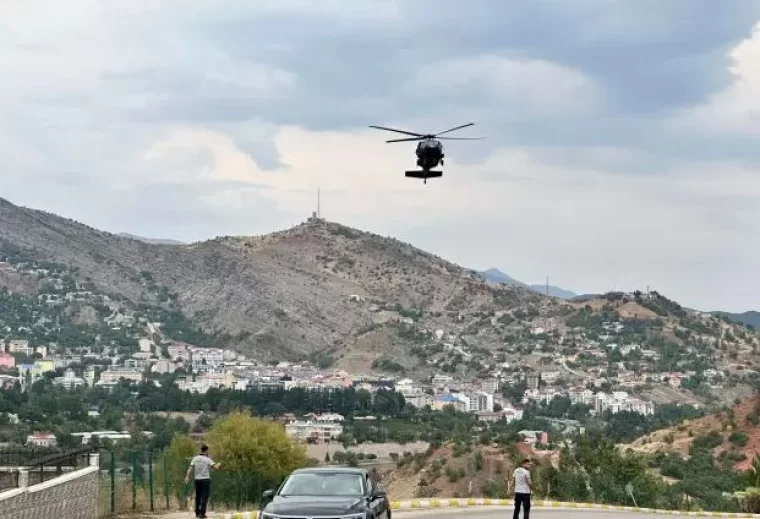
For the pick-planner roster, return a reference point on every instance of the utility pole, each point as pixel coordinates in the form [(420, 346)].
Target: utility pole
[(319, 211), (547, 286)]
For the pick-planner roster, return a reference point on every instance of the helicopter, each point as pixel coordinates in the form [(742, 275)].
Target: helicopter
[(429, 149)]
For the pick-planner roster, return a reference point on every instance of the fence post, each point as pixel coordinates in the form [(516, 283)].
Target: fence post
[(112, 473), (150, 477), (166, 482), (134, 480)]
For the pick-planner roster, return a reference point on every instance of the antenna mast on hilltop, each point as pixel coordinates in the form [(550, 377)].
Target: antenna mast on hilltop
[(547, 286), (319, 211)]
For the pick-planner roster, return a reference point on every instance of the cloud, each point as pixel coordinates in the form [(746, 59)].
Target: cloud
[(526, 86), (737, 107), (188, 119)]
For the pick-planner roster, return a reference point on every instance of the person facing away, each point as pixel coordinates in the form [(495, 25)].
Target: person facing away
[(523, 487), (201, 465)]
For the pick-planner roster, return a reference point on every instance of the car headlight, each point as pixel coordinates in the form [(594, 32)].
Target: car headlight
[(268, 515), (353, 515)]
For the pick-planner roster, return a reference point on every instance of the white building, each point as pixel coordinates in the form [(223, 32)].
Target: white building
[(41, 440), (442, 380), (69, 380), (20, 346), (490, 385), (146, 345), (115, 373), (316, 428), (206, 357), (164, 366), (419, 400), (480, 402)]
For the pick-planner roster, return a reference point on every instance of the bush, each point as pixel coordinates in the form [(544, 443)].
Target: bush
[(707, 441), (255, 455), (738, 438)]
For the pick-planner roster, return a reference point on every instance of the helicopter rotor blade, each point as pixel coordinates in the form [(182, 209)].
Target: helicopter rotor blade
[(397, 131), (408, 139), (460, 138), (455, 128)]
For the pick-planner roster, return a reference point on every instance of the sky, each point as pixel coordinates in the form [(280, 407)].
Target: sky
[(622, 136)]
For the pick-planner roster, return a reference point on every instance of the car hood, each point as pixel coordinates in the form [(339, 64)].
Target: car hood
[(309, 506)]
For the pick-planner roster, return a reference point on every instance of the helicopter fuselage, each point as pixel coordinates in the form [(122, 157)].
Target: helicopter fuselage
[(429, 154)]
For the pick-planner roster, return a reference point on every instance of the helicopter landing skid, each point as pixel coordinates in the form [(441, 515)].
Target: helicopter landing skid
[(424, 175)]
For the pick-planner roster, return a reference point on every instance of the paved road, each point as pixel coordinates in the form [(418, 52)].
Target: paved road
[(484, 512)]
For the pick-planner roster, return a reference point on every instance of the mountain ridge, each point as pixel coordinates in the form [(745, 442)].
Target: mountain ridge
[(495, 275), (152, 241), (292, 293), (354, 300), (750, 317)]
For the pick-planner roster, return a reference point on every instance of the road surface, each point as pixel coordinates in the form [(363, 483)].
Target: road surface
[(484, 512)]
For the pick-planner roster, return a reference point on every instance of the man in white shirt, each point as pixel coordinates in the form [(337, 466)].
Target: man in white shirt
[(523, 487), (202, 465)]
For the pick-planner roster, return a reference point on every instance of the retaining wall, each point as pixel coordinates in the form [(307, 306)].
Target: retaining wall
[(71, 496)]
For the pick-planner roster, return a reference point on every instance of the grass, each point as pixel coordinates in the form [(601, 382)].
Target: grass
[(139, 506)]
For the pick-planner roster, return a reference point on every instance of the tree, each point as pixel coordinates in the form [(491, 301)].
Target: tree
[(255, 455), (173, 464)]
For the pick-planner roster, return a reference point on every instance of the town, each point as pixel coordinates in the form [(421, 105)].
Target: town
[(595, 360)]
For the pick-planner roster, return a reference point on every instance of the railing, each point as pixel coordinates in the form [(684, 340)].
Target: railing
[(39, 465)]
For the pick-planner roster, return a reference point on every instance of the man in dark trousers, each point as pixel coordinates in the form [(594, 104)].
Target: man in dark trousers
[(201, 465), (523, 487)]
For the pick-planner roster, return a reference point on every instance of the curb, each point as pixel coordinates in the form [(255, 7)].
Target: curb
[(422, 504), (427, 504)]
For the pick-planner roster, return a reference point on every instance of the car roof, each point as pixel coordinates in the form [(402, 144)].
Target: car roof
[(330, 470)]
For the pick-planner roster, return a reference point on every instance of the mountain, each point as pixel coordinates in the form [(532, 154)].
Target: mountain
[(751, 318), (153, 241), (319, 288), (354, 300), (494, 275)]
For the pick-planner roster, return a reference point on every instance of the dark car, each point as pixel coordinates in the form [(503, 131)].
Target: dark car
[(327, 493)]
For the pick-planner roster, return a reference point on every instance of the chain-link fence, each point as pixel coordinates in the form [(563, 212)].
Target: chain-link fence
[(146, 481)]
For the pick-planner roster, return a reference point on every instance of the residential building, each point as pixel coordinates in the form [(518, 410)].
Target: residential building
[(7, 361), (69, 380), (419, 400), (316, 428), (41, 440), (21, 347), (115, 373)]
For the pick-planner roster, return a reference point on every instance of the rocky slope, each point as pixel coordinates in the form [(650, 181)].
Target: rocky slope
[(317, 288), (329, 292), (732, 433)]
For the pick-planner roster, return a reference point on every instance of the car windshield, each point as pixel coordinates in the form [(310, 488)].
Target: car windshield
[(323, 484)]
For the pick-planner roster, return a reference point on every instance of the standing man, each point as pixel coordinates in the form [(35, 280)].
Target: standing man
[(202, 465), (523, 487)]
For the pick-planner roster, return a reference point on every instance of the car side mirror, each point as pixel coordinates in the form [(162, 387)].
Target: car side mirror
[(379, 494), (267, 494)]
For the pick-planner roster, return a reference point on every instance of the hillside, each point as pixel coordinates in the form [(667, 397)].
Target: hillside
[(732, 434), (358, 301), (317, 288), (456, 471)]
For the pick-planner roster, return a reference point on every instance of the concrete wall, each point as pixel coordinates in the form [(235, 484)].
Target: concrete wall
[(71, 496)]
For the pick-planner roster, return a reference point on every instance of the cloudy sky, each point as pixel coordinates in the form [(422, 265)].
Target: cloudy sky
[(622, 150)]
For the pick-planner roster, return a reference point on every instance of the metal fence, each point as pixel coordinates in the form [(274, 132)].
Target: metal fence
[(39, 464), (150, 481), (132, 480)]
